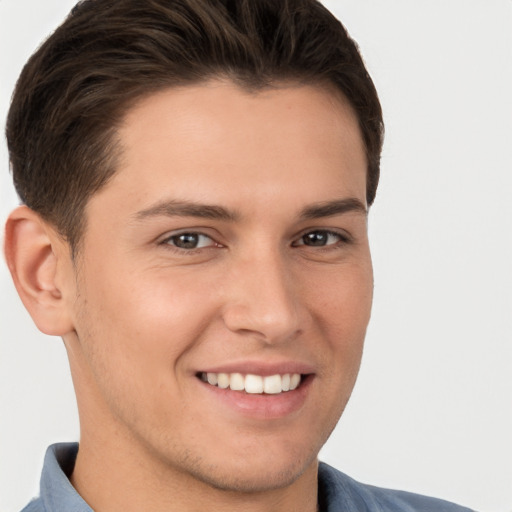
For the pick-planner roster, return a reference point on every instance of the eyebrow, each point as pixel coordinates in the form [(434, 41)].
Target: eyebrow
[(332, 208), (174, 208)]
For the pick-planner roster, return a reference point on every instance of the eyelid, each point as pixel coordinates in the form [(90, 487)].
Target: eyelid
[(344, 237), (165, 239)]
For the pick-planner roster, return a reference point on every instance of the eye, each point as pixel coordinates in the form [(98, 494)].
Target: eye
[(190, 241), (321, 238)]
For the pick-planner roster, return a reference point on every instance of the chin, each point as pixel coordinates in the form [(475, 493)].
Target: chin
[(253, 480), (253, 472)]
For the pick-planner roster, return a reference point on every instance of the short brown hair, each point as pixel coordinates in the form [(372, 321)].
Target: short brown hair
[(74, 91)]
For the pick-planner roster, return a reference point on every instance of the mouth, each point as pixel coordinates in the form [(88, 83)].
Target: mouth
[(259, 392), (254, 384)]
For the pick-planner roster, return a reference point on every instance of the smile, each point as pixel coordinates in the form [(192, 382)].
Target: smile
[(253, 384)]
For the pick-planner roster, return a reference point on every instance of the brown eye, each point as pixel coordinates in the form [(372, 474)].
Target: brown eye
[(190, 241), (320, 238), (316, 238)]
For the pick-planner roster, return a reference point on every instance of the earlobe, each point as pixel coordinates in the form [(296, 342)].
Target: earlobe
[(35, 257)]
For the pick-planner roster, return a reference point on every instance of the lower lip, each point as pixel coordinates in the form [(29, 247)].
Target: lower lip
[(262, 406)]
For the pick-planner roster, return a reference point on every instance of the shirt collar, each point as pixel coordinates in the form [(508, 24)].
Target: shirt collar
[(57, 493)]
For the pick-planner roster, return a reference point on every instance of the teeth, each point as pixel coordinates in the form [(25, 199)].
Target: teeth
[(254, 384), (294, 380), (272, 384), (285, 382), (237, 382), (223, 380)]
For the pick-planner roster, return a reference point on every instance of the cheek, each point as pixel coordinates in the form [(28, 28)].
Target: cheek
[(342, 297), (137, 332), (134, 334), (342, 307)]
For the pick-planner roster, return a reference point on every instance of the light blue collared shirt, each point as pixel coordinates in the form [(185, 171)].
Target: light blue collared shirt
[(336, 492)]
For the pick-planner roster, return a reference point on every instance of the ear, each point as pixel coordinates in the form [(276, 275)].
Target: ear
[(39, 262)]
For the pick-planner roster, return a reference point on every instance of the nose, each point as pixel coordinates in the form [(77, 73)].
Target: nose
[(262, 299)]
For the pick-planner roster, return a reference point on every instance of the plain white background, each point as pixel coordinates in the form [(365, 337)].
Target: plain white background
[(432, 410)]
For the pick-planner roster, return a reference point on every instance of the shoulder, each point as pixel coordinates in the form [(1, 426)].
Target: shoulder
[(338, 491), (35, 505), (56, 492)]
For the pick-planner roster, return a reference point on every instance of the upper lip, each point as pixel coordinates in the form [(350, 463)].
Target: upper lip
[(263, 368)]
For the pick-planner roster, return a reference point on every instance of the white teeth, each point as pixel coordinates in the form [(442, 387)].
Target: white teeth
[(294, 381), (223, 380), (272, 384), (254, 384), (285, 382), (237, 382)]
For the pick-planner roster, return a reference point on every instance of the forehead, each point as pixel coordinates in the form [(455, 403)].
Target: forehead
[(220, 93), (218, 142), (214, 107)]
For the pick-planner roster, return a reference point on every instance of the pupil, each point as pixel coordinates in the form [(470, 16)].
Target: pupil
[(187, 241), (315, 238)]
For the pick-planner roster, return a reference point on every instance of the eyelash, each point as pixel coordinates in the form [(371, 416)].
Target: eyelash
[(167, 242), (343, 239)]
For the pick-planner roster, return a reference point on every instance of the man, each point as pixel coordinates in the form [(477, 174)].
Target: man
[(196, 178)]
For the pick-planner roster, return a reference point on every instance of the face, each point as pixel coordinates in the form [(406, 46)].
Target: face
[(224, 283)]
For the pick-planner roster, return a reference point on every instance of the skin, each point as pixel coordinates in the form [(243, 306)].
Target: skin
[(140, 317)]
